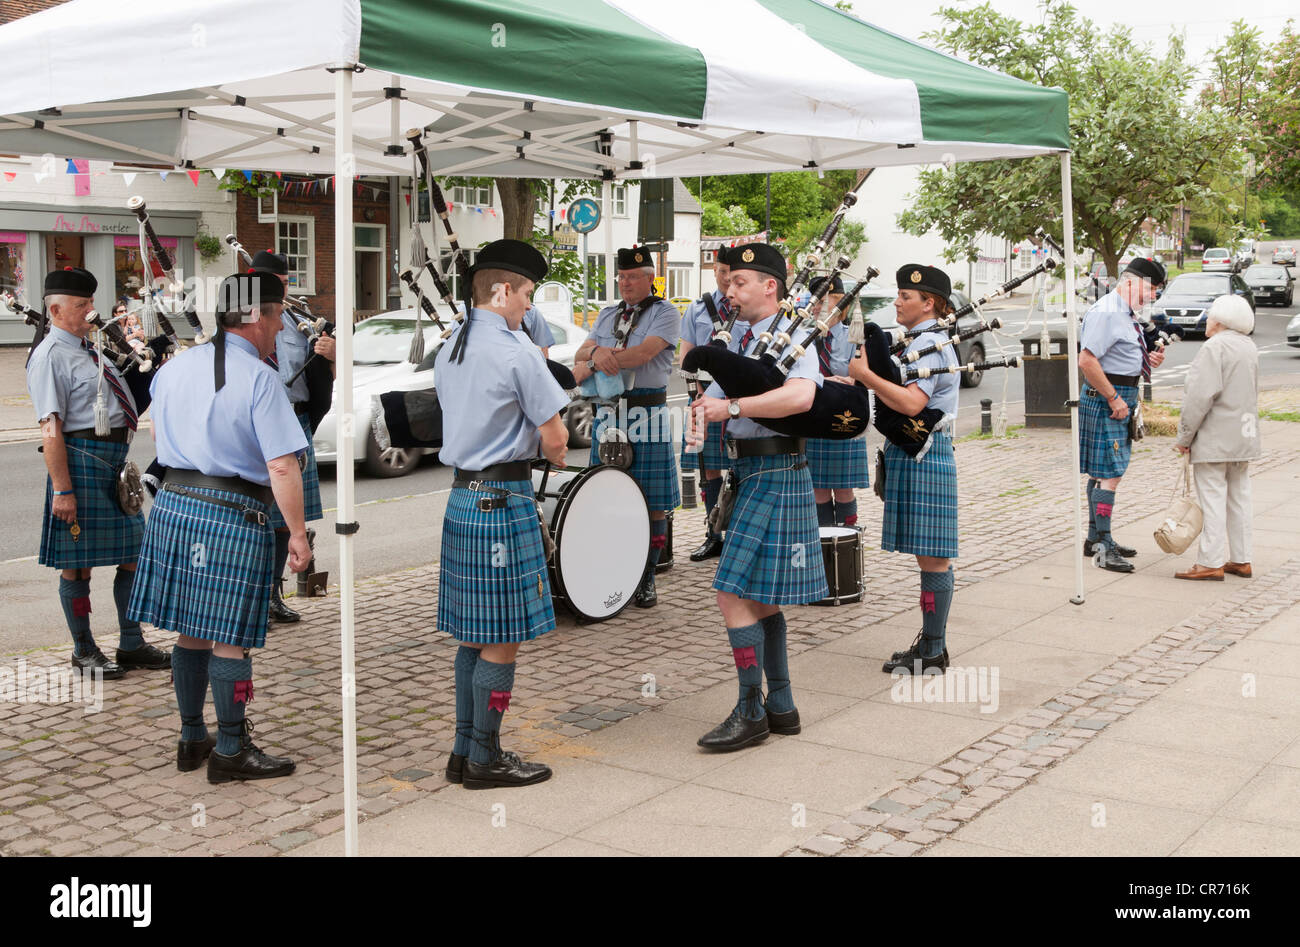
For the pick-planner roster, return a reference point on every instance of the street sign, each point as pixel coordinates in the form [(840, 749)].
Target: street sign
[(565, 237), (584, 215)]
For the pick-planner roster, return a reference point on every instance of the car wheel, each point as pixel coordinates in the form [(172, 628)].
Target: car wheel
[(578, 419), (973, 379), (394, 462)]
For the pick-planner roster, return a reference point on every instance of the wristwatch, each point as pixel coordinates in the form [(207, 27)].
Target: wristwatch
[(733, 409), (591, 364)]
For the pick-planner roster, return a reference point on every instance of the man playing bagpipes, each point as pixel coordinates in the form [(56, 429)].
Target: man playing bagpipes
[(632, 346), (920, 492), (772, 552)]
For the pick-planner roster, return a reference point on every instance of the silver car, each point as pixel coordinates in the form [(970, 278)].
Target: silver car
[(1218, 260)]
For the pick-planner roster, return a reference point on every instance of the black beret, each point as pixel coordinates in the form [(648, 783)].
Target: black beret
[(266, 261), (634, 258), (513, 256), (929, 279), (837, 285), (72, 281), (1148, 269), (724, 256), (762, 257), (243, 291)]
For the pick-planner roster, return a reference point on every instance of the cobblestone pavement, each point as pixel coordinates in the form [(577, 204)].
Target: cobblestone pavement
[(73, 782)]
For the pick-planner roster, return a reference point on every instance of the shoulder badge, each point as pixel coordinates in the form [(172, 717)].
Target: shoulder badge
[(748, 256), (916, 276)]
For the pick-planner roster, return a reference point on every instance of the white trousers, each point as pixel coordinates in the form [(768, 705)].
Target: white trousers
[(1224, 493)]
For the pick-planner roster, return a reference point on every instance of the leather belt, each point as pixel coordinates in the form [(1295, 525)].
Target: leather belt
[(645, 401), (118, 435), (763, 446), (192, 478), (1129, 381), (511, 470)]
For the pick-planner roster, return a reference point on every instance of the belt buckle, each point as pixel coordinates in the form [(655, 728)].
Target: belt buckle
[(733, 450), (474, 485), (255, 516), (485, 504)]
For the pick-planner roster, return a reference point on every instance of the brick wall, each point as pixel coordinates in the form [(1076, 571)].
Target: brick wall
[(11, 10)]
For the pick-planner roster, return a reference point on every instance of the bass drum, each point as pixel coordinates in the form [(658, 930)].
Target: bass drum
[(601, 526)]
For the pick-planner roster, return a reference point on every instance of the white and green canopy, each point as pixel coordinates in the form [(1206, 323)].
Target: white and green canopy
[(526, 88)]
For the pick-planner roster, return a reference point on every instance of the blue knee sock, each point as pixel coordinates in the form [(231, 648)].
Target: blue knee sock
[(846, 514), (780, 699), (747, 649), (936, 599), (466, 659), (74, 596), (658, 539), (493, 684), (232, 689), (1092, 511), (826, 513), (1103, 505), (190, 678), (131, 637), (711, 490)]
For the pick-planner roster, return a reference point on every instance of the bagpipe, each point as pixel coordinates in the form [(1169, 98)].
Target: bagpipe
[(39, 321), (154, 255)]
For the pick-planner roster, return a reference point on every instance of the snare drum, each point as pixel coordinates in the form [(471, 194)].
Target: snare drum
[(842, 554), (601, 526)]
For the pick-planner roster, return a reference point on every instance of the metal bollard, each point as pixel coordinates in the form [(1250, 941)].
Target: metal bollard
[(1146, 390), (986, 415), (690, 489)]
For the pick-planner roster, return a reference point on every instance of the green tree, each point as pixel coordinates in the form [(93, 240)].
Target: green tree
[(1139, 150), (796, 196), (729, 221)]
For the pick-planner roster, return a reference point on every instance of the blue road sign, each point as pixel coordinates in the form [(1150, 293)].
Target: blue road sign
[(584, 215)]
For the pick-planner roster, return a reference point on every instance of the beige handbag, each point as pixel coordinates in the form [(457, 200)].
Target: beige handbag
[(1182, 522)]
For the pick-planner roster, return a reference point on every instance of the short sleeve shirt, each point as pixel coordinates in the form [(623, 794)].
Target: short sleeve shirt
[(63, 379), (661, 320), (941, 390), (1110, 333), (805, 367)]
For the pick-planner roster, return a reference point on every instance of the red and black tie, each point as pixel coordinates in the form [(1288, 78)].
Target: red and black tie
[(1146, 356), (273, 362), (746, 339), (118, 391), (824, 357)]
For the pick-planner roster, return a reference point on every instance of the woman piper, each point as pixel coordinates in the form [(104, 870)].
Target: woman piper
[(920, 515)]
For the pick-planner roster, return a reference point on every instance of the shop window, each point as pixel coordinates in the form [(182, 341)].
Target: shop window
[(13, 262)]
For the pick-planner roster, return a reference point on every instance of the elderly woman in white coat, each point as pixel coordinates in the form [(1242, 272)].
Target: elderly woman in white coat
[(1219, 427)]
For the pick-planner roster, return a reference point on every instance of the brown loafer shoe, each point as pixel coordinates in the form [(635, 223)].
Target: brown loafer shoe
[(1238, 568), (1200, 572)]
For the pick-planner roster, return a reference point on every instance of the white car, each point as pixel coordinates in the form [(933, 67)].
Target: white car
[(380, 346)]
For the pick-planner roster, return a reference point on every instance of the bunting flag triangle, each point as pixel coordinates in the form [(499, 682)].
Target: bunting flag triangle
[(279, 174), (10, 175), (163, 174), (128, 177), (219, 172), (248, 175), (72, 166), (194, 177)]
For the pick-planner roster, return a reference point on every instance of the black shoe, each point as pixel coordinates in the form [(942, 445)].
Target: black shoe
[(1109, 558), (190, 754), (112, 670), (1090, 549), (147, 657), (711, 547), (786, 724), (248, 763), (455, 768), (734, 733), (506, 771), (902, 655), (279, 611), (911, 661), (646, 596)]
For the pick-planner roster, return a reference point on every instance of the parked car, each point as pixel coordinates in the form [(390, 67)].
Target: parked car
[(1245, 254), (1099, 282), (1284, 254), (380, 346), (1293, 333), (1218, 260), (1270, 283), (878, 306), (1187, 299)]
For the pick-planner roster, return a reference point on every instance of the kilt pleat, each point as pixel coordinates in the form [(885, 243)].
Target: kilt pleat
[(493, 587), (920, 516), (108, 536), (713, 451), (772, 553), (837, 465), (1104, 447), (311, 504), (204, 570), (654, 463)]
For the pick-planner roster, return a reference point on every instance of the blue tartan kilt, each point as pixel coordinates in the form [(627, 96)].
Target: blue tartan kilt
[(714, 451), (837, 465), (493, 587), (108, 536), (654, 463), (920, 514), (204, 570), (1104, 447), (772, 553), (310, 483)]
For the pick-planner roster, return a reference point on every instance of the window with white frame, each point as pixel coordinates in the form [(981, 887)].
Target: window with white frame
[(472, 196), (679, 280), (447, 264), (296, 239), (618, 200)]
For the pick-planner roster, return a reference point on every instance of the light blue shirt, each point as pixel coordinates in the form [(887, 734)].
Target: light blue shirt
[(662, 320), (941, 390), (292, 351), (494, 401), (697, 324), (806, 367), (538, 329), (1109, 334), (228, 433), (63, 379), (841, 349)]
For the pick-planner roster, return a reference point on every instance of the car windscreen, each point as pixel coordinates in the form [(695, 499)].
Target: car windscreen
[(1266, 272), (1210, 254), (379, 341), (1197, 285)]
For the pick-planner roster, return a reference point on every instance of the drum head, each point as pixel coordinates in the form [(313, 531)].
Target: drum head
[(836, 532), (602, 535)]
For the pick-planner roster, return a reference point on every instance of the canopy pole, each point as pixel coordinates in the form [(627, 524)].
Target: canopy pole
[(1072, 361), (344, 300)]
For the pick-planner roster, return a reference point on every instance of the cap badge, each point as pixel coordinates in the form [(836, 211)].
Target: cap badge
[(916, 276), (638, 257), (748, 256)]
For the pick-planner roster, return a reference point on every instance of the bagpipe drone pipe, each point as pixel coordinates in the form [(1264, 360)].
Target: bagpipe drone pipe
[(153, 252)]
